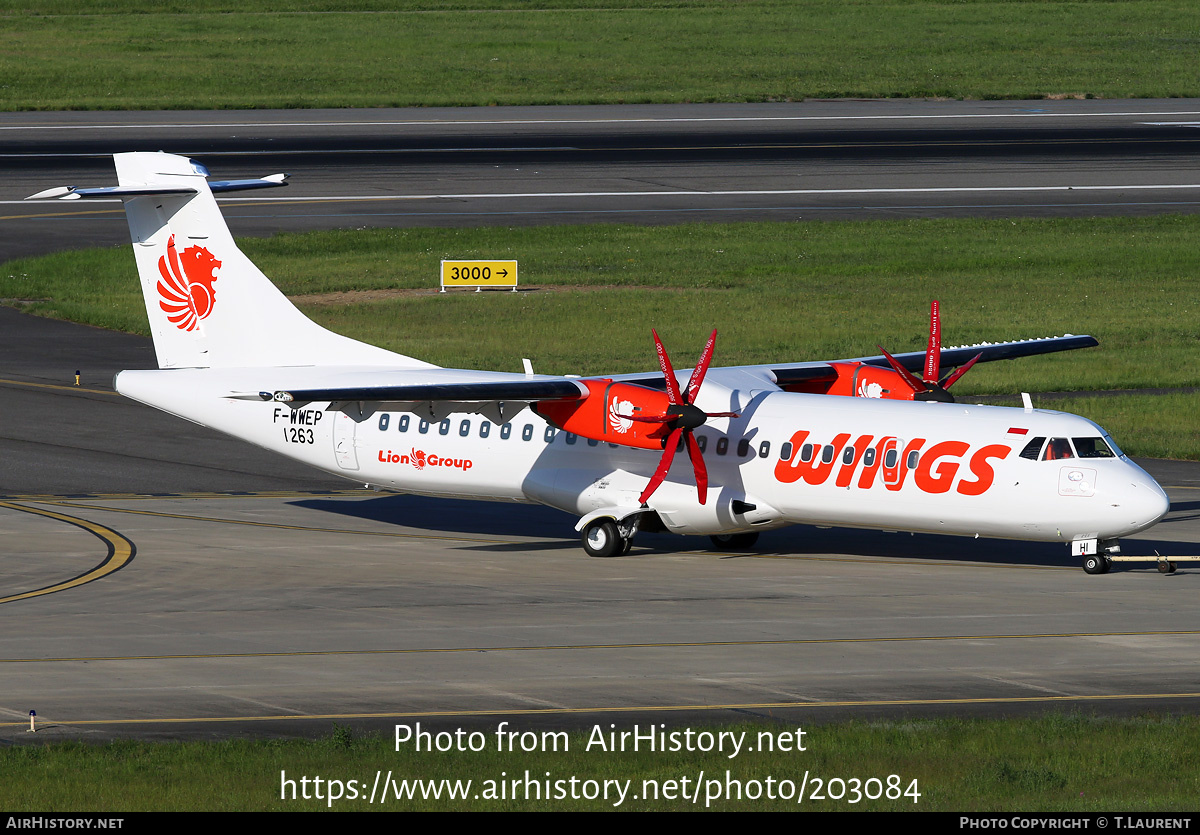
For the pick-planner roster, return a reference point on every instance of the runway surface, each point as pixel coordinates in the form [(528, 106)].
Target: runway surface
[(250, 598), (637, 164)]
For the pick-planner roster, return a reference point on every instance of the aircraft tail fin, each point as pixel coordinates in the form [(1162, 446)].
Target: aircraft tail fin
[(208, 304)]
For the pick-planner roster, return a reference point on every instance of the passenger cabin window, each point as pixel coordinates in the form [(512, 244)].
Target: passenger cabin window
[(869, 457), (548, 435), (444, 427), (527, 432), (743, 448), (383, 421), (806, 453), (402, 424), (464, 428), (572, 438), (1092, 448), (1059, 449), (827, 452), (423, 427), (912, 459), (722, 445), (764, 449), (702, 442), (890, 458), (1033, 448), (485, 428), (848, 455), (505, 431), (785, 451)]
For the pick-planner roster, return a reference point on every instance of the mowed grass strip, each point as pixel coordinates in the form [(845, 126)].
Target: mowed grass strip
[(1056, 763), (262, 54)]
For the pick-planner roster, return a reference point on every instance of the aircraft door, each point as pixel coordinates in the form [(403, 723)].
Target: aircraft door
[(344, 445)]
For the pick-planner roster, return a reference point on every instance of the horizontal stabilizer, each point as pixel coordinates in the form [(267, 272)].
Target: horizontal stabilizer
[(109, 192), (73, 193)]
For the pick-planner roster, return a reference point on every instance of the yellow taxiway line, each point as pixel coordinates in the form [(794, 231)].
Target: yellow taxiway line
[(120, 552), (562, 711), (79, 389)]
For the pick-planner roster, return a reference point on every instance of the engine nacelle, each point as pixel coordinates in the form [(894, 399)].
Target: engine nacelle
[(857, 379), (603, 414)]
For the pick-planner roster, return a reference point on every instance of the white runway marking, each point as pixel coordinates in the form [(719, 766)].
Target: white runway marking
[(1026, 114)]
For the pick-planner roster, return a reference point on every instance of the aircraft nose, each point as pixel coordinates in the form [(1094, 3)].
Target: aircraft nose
[(1145, 502)]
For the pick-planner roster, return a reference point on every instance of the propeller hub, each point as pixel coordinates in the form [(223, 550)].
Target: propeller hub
[(687, 416), (935, 393)]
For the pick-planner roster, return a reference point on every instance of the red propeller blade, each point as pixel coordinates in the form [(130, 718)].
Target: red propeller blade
[(700, 370), (664, 464), (961, 371), (693, 450), (664, 362), (913, 382), (933, 354)]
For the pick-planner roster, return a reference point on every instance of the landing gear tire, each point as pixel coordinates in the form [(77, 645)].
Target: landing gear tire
[(1166, 567), (601, 538), (734, 541), (1095, 564)]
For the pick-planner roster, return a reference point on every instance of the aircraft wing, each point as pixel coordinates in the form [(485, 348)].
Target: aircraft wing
[(951, 357), (814, 371), (543, 388)]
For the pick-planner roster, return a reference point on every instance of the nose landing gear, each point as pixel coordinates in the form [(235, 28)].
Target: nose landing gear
[(1108, 551)]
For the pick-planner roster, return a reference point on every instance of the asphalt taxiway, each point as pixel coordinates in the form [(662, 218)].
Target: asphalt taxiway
[(161, 581)]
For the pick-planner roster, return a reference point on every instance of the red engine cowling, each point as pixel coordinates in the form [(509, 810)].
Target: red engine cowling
[(856, 379), (603, 414)]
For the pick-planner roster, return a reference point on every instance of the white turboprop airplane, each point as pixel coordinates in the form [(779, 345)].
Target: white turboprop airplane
[(769, 445)]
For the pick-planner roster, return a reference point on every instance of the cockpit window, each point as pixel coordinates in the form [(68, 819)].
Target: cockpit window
[(1058, 449), (1092, 448), (1033, 448)]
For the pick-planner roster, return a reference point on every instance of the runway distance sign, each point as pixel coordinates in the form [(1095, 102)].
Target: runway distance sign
[(479, 275)]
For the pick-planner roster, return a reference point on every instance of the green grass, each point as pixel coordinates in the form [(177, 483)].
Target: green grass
[(776, 292), (1056, 763), (259, 54)]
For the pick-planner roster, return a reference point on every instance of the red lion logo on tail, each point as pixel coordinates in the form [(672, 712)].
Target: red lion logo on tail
[(186, 292)]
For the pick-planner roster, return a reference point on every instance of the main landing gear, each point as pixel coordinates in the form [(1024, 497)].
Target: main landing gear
[(604, 536)]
